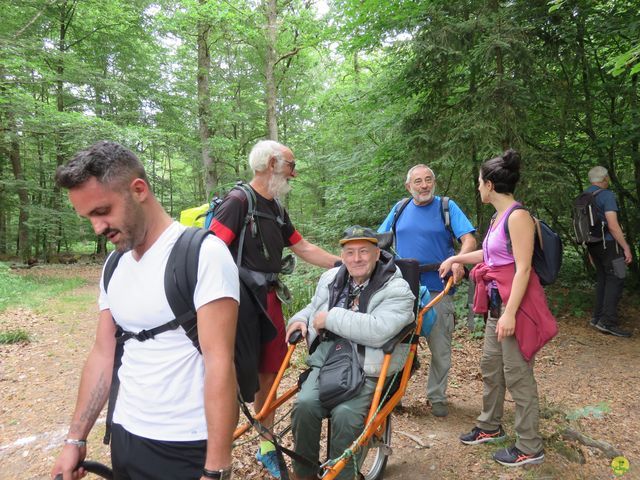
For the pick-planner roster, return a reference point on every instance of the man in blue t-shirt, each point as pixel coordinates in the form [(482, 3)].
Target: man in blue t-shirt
[(609, 256), (420, 233)]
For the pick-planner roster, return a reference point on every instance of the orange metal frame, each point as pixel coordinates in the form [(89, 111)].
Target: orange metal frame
[(375, 419)]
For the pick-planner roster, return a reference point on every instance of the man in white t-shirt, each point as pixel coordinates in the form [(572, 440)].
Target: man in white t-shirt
[(176, 407)]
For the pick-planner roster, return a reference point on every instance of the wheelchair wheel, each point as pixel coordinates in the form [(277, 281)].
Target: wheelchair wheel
[(376, 453), (95, 470)]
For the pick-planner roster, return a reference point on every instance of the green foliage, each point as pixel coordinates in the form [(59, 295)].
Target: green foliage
[(594, 411), (29, 290), (628, 60), (478, 327), (9, 337), (572, 294), (363, 93), (302, 284)]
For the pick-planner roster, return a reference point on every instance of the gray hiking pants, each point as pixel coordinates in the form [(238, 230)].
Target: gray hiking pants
[(504, 368), (439, 341)]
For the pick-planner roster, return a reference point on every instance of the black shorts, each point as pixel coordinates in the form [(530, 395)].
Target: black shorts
[(139, 458)]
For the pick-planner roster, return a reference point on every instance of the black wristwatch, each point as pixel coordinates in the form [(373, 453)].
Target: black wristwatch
[(224, 474)]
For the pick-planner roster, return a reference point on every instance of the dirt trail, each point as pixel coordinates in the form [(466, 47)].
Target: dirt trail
[(578, 369)]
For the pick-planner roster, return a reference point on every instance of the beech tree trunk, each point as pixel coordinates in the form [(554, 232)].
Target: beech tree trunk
[(204, 104), (24, 246), (271, 90)]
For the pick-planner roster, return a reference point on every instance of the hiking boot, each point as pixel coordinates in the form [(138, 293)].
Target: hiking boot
[(439, 409), (613, 330), (269, 461), (478, 435), (594, 322), (513, 457)]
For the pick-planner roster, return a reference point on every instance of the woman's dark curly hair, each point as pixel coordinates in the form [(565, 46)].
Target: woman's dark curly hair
[(502, 171)]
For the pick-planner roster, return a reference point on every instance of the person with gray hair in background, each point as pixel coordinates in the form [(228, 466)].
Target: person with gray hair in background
[(608, 256), (273, 166)]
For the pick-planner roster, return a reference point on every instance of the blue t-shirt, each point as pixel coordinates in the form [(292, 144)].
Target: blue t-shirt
[(421, 234), (605, 202)]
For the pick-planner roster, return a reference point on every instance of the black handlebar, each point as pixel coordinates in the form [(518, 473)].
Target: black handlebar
[(295, 337), (93, 467)]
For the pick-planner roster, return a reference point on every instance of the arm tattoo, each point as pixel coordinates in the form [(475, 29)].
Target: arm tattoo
[(97, 399)]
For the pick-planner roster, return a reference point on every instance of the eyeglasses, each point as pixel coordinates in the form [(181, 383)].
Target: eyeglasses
[(292, 165)]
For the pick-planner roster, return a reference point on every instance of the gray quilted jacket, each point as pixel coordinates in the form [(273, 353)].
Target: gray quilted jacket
[(388, 308)]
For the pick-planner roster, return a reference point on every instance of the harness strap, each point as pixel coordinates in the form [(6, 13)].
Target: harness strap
[(144, 335), (270, 436), (121, 337), (180, 278), (250, 220), (113, 392)]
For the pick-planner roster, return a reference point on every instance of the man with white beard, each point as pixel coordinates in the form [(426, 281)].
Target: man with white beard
[(266, 235)]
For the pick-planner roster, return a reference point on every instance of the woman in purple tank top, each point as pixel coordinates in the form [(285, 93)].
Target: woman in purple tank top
[(502, 365)]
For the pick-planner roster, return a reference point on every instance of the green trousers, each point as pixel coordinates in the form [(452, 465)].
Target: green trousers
[(347, 422)]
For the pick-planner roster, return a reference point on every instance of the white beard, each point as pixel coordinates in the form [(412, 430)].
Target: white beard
[(422, 199), (278, 186)]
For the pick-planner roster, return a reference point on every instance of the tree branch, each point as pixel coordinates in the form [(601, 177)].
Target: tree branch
[(32, 21), (608, 449), (293, 52), (81, 39)]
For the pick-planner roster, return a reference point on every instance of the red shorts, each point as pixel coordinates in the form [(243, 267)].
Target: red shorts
[(274, 351)]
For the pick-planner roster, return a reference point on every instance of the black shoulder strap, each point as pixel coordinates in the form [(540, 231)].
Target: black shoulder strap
[(400, 206), (594, 194), (445, 212), (180, 278), (248, 218), (110, 267)]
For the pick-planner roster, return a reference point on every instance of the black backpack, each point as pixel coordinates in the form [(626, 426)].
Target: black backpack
[(547, 248), (180, 278), (250, 219), (588, 223), (444, 213)]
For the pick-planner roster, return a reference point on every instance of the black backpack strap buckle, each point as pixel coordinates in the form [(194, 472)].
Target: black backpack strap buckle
[(144, 335)]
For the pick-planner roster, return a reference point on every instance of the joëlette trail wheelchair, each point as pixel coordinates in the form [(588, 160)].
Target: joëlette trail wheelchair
[(375, 441)]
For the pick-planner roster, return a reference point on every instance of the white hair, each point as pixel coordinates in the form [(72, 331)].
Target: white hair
[(415, 167), (598, 174), (262, 152)]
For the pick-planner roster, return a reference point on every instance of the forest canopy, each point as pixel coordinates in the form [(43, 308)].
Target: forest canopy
[(361, 90)]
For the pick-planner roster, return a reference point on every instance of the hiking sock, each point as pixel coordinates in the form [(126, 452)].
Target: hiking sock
[(266, 446)]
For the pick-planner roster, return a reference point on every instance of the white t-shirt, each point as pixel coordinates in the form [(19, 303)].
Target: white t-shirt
[(161, 393)]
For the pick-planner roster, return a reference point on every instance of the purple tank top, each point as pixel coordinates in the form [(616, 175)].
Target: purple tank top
[(494, 244)]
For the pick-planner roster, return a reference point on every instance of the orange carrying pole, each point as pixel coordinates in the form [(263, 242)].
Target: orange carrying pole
[(271, 403)]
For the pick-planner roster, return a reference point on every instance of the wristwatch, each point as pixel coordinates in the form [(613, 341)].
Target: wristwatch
[(223, 474), (75, 442)]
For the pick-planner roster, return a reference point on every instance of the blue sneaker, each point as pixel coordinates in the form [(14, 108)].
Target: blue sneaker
[(269, 461)]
